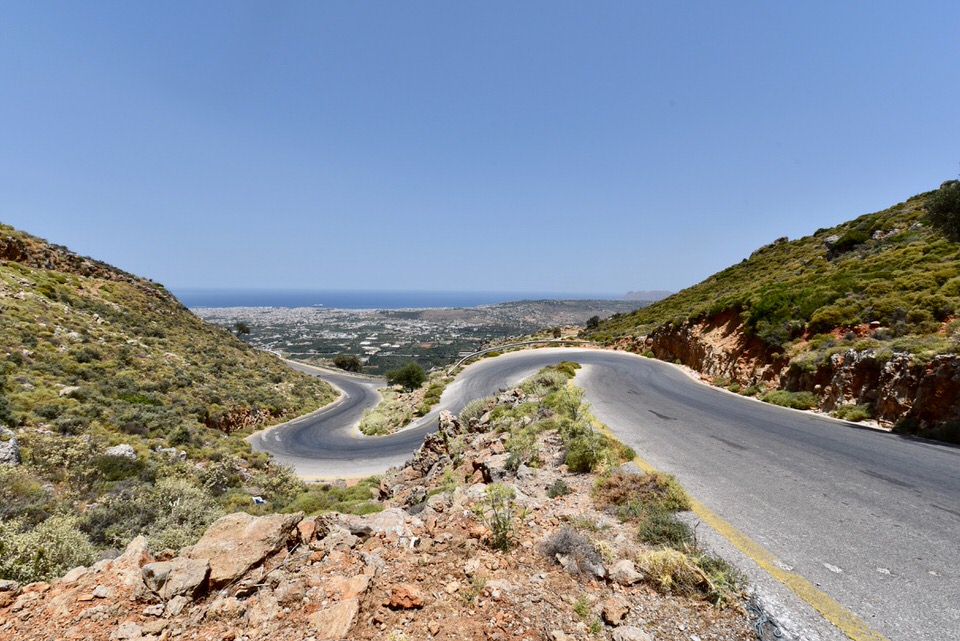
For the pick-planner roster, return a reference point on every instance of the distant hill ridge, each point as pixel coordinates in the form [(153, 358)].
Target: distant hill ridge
[(653, 295), (857, 319)]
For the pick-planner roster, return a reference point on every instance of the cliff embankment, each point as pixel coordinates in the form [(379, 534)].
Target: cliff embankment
[(896, 388)]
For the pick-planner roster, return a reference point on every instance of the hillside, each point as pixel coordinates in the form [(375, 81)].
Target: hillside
[(513, 521), (124, 411), (872, 299)]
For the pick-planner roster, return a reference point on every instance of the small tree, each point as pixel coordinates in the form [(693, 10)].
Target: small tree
[(411, 376), (241, 328), (557, 332), (593, 322), (348, 363), (943, 210)]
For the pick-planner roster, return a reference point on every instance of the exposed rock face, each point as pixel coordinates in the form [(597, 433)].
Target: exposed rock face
[(121, 451), (237, 542), (178, 577), (716, 348), (9, 448), (335, 622), (894, 388)]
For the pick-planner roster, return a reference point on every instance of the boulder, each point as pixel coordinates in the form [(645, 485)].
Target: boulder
[(405, 596), (9, 448), (173, 453), (9, 591), (494, 468), (630, 633), (121, 451), (625, 572), (614, 611), (335, 622), (238, 542), (177, 577), (126, 567)]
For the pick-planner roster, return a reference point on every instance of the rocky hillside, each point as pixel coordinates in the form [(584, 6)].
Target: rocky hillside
[(487, 533), (122, 410), (858, 319)]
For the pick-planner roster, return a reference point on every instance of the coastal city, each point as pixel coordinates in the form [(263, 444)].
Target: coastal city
[(384, 338)]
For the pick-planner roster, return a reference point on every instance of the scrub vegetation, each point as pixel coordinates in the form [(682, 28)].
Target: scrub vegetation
[(898, 268), (92, 357)]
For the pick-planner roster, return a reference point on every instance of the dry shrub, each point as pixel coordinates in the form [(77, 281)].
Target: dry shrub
[(623, 488), (578, 548), (673, 571)]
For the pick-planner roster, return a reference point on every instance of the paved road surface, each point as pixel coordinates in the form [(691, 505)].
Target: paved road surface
[(871, 518)]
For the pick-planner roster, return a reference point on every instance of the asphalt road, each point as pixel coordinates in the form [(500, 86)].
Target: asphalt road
[(872, 519)]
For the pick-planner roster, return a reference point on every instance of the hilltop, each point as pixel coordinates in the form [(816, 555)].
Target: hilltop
[(124, 412), (858, 319)]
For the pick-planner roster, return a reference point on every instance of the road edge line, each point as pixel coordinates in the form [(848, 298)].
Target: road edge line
[(843, 619)]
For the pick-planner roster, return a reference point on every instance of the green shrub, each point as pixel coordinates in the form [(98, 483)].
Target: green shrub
[(659, 526), (943, 210), (795, 400), (497, 511), (348, 363), (43, 552), (853, 413), (23, 497), (558, 488), (410, 376), (584, 452)]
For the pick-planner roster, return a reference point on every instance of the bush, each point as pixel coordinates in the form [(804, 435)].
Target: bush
[(853, 413), (672, 571), (660, 526), (795, 400), (496, 510), (558, 489), (583, 556), (475, 409), (624, 489), (172, 514), (943, 210), (584, 452), (410, 376), (43, 552), (727, 583), (348, 363), (23, 497)]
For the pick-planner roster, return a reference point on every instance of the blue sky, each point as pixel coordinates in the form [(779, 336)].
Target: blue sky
[(530, 146)]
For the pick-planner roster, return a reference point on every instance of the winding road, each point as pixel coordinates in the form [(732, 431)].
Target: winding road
[(870, 520)]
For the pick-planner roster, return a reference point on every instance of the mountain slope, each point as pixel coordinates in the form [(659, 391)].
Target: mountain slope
[(93, 357), (881, 288)]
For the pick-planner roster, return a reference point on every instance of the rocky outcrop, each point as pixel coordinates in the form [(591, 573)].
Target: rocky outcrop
[(123, 450), (178, 577), (9, 447), (237, 542), (894, 387), (239, 419), (718, 348)]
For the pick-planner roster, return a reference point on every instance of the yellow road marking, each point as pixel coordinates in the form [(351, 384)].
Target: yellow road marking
[(846, 621)]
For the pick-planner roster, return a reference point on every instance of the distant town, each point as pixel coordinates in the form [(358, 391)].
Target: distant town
[(383, 339)]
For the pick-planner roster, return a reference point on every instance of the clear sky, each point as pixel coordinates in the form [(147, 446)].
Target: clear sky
[(493, 146)]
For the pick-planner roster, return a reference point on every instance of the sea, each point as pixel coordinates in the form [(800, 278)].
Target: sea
[(363, 299)]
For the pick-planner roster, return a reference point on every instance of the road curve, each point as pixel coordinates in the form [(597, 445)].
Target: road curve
[(872, 519)]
